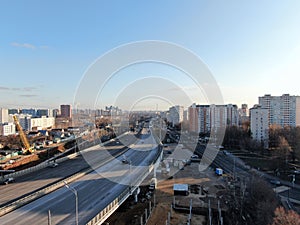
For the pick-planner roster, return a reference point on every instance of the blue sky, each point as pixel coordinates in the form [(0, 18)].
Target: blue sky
[(251, 47)]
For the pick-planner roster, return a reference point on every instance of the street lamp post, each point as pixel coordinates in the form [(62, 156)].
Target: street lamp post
[(76, 200), (293, 183), (130, 176)]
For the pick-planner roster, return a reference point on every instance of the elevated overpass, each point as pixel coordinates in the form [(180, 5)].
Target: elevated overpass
[(100, 192)]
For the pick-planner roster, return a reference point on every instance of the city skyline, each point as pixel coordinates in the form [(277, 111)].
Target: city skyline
[(252, 49), (74, 109)]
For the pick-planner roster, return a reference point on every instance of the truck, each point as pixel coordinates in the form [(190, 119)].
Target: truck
[(219, 171)]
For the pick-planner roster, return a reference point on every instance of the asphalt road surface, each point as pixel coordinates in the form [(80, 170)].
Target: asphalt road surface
[(36, 180), (95, 190)]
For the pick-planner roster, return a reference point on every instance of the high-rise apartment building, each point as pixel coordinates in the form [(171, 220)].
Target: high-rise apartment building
[(176, 114), (243, 115), (259, 124), (243, 111), (203, 118), (66, 111), (55, 112), (3, 115), (282, 110), (193, 112)]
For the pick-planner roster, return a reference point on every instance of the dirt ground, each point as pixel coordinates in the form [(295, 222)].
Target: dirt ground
[(130, 213)]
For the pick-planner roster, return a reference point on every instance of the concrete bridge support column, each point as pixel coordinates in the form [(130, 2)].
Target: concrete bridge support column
[(136, 193)]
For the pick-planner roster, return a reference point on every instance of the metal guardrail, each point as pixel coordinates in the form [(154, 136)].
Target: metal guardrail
[(44, 191), (48, 189), (27, 199), (40, 166), (108, 210), (46, 163)]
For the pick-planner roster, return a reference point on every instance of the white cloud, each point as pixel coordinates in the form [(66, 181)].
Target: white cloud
[(29, 46), (24, 45)]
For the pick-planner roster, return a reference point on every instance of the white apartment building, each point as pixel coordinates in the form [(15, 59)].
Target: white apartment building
[(3, 115), (30, 123), (41, 123), (259, 124), (282, 110), (175, 114), (7, 129)]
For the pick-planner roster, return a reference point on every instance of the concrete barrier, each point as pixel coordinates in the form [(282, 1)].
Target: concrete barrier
[(39, 166), (27, 199), (31, 197), (46, 163), (110, 209)]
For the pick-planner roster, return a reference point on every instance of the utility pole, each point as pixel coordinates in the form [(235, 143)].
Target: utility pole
[(49, 217)]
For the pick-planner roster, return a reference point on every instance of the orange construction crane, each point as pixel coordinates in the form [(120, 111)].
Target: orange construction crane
[(23, 137)]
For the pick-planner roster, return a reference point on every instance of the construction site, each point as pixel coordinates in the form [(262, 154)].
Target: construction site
[(27, 149)]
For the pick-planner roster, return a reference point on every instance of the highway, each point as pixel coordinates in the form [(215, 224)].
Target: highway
[(36, 180), (95, 190)]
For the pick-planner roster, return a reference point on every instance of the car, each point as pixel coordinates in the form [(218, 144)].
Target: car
[(57, 140), (125, 161), (194, 157), (296, 171), (8, 180), (49, 142), (276, 182), (53, 165)]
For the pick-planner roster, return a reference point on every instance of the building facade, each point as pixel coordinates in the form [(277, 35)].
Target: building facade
[(175, 114), (282, 110), (42, 112), (259, 124), (41, 123), (244, 115), (55, 112), (193, 111), (204, 118), (13, 111), (29, 123), (31, 112), (3, 115), (7, 129), (66, 111)]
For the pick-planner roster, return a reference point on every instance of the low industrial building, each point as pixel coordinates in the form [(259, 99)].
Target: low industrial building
[(181, 189)]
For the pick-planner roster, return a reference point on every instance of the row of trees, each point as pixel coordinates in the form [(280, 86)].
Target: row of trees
[(240, 138), (284, 143)]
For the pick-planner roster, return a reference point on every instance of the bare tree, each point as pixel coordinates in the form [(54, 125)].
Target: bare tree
[(284, 150), (283, 217), (262, 202)]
